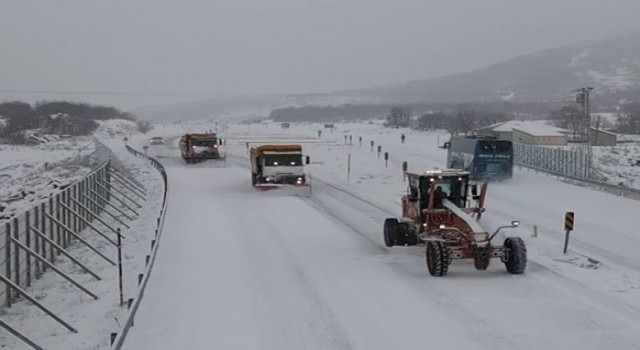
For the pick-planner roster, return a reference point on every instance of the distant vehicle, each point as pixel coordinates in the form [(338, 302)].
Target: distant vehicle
[(157, 140), (198, 147), (285, 125), (485, 158)]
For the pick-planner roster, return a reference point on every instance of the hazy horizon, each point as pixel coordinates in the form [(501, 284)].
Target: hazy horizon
[(279, 47)]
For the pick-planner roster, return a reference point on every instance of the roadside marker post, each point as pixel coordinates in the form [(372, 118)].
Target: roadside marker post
[(568, 227), (349, 167), (405, 166)]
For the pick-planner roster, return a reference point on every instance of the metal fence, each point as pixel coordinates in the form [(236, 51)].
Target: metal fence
[(118, 338), (572, 165), (575, 162), (32, 242)]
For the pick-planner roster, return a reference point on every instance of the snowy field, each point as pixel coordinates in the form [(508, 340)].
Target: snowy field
[(245, 269), (94, 319), (29, 174), (620, 163)]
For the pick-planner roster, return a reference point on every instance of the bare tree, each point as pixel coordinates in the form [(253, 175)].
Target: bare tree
[(433, 121), (464, 122), (399, 117), (629, 121), (568, 117)]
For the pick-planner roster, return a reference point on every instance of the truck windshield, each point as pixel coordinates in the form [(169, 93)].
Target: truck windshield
[(283, 160), (204, 142)]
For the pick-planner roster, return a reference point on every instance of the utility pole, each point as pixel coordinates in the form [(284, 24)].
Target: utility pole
[(583, 98)]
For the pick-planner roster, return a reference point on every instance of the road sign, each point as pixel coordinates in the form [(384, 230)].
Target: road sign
[(568, 221)]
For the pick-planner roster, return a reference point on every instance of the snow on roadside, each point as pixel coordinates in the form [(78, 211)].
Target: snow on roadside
[(601, 253), (29, 174), (94, 319), (620, 163)]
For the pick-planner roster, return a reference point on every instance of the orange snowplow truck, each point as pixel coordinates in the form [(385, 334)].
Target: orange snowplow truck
[(278, 165), (197, 147)]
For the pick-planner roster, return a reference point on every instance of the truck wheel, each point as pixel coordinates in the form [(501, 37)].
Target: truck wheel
[(253, 180), (391, 226), (437, 258), (516, 261), (481, 256)]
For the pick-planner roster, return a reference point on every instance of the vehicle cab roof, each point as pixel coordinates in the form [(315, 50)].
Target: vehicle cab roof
[(440, 173)]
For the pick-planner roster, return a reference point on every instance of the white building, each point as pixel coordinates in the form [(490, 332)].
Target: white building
[(534, 132)]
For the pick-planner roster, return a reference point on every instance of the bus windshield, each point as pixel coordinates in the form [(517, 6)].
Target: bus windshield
[(494, 147)]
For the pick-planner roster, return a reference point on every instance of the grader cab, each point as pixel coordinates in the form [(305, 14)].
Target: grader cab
[(441, 210)]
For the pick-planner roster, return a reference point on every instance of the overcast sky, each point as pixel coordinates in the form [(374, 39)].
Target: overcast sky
[(279, 46)]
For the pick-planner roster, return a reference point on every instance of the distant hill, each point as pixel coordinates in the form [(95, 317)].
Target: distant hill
[(611, 66)]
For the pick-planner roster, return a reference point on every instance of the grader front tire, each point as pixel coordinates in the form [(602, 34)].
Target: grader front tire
[(437, 258), (516, 261)]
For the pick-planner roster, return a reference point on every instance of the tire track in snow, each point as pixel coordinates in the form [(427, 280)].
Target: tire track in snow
[(304, 318)]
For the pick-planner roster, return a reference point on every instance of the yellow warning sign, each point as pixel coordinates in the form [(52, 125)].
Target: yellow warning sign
[(568, 221)]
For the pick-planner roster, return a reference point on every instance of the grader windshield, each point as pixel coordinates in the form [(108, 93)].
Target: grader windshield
[(450, 186)]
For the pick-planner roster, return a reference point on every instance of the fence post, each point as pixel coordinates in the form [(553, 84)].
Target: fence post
[(27, 223), (7, 252), (52, 235), (16, 251), (43, 228), (58, 217), (36, 223), (76, 222), (65, 220), (120, 268)]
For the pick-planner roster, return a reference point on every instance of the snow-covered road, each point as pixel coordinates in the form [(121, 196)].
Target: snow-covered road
[(239, 269)]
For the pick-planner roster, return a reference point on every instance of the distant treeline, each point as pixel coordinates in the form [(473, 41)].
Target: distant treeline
[(364, 112), (55, 117)]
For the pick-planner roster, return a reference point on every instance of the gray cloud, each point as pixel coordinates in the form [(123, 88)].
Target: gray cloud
[(266, 46)]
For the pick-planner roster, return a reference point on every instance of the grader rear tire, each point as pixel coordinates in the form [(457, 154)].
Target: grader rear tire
[(391, 228), (517, 255), (437, 258)]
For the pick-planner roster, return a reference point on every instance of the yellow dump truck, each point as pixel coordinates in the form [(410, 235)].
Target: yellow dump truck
[(277, 165)]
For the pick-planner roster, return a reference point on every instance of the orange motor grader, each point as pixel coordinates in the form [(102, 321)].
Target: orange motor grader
[(439, 212)]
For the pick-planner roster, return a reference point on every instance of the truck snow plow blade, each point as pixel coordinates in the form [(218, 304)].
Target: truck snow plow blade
[(285, 190)]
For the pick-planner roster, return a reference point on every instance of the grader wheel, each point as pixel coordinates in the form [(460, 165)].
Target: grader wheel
[(391, 228), (516, 261), (437, 258)]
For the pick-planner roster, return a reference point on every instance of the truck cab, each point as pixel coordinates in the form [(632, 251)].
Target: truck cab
[(278, 164), (195, 147)]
